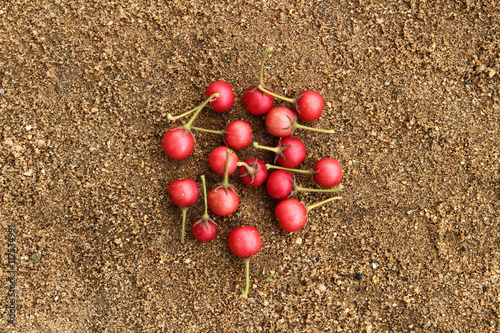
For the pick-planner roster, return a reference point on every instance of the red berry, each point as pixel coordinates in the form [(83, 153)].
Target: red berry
[(178, 143), (257, 102), (226, 96), (217, 160), (183, 192), (244, 241), (203, 230)]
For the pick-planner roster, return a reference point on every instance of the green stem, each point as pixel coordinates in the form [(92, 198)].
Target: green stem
[(225, 181), (286, 99), (297, 125), (248, 167), (170, 117), (303, 189), (183, 230), (204, 196), (308, 208), (261, 73), (273, 149), (247, 278), (207, 130), (306, 172), (190, 122)]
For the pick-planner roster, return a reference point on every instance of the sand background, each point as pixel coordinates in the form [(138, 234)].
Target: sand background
[(412, 90)]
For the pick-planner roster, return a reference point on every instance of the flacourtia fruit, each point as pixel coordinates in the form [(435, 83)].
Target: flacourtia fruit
[(253, 172), (183, 193), (237, 135), (256, 101), (178, 142), (245, 242), (204, 228), (308, 104), (281, 184), (327, 172), (292, 214), (217, 160), (226, 96), (289, 152), (281, 122), (223, 200)]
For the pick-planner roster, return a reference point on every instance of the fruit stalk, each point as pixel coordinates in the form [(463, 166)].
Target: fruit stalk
[(205, 215), (196, 110), (303, 189), (308, 208), (247, 278), (297, 125), (183, 229), (305, 172), (273, 149), (225, 180), (286, 99), (261, 73), (208, 130)]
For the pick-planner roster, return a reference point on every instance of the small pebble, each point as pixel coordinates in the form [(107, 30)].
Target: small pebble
[(374, 265), (358, 276), (35, 257)]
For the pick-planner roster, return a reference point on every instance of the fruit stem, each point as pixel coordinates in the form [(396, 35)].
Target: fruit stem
[(297, 125), (306, 172), (190, 122), (207, 130), (248, 167), (286, 99), (308, 208), (261, 73), (170, 117), (225, 180), (247, 278), (205, 215), (183, 230), (303, 189), (273, 149)]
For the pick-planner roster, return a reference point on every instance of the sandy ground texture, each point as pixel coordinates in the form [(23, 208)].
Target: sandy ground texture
[(412, 91)]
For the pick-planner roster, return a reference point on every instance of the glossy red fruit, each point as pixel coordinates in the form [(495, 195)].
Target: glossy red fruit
[(217, 160), (226, 96), (238, 134), (309, 105), (279, 184), (256, 175), (204, 231), (327, 172), (291, 214), (279, 121), (257, 102), (223, 201), (293, 152), (183, 192), (244, 241), (178, 143)]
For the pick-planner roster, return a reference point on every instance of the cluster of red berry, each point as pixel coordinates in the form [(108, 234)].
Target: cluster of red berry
[(290, 152)]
